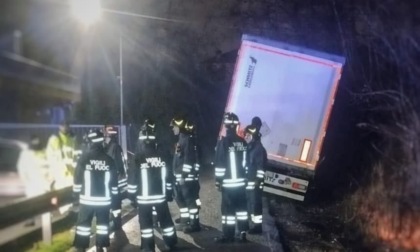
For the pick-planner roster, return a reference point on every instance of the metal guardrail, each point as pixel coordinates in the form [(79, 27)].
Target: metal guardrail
[(29, 208), (41, 205)]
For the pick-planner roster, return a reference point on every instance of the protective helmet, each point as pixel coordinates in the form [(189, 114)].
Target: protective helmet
[(149, 125), (95, 136), (147, 131), (230, 120), (178, 121), (110, 130), (252, 130), (190, 127)]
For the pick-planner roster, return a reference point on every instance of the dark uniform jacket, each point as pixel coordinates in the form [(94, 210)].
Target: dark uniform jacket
[(149, 179), (256, 162), (114, 150), (230, 161), (184, 158), (96, 179)]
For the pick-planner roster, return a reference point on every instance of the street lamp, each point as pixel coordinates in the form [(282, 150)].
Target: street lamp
[(88, 12)]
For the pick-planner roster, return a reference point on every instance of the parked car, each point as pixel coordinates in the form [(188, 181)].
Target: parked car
[(10, 183)]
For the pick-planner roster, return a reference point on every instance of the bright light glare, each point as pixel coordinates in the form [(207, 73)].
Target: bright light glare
[(86, 11)]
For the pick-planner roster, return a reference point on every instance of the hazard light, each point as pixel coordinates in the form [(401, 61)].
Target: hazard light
[(305, 150)]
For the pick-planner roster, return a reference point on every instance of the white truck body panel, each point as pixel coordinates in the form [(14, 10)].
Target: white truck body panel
[(292, 90)]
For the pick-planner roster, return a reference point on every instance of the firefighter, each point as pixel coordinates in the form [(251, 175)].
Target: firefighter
[(231, 180), (192, 132), (60, 155), (96, 187), (183, 162), (114, 150), (256, 161), (150, 187)]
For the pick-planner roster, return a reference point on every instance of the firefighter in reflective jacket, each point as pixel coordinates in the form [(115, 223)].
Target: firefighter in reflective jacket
[(192, 131), (256, 160), (150, 187), (114, 150), (231, 180), (183, 162), (96, 186)]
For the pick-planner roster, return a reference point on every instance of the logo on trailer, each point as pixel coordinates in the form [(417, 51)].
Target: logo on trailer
[(250, 73)]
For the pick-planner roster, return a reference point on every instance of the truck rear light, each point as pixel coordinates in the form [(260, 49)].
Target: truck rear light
[(298, 186), (305, 150)]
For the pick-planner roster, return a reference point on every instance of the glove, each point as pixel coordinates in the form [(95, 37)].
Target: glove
[(116, 212), (218, 186)]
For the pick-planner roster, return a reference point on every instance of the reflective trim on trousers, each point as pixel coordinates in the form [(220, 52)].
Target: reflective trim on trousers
[(140, 197), (169, 231), (150, 201), (193, 211), (97, 199), (257, 219), (235, 180), (147, 233), (184, 212), (186, 168), (219, 171), (242, 215), (77, 188), (83, 231), (94, 203), (234, 185)]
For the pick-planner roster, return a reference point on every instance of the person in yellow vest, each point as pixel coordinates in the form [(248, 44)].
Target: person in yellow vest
[(61, 158), (33, 171)]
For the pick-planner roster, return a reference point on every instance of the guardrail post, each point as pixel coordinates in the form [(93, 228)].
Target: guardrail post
[(46, 228)]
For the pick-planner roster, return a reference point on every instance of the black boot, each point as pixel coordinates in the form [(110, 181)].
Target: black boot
[(255, 230), (168, 248), (242, 237), (100, 249), (194, 226), (223, 239), (191, 229)]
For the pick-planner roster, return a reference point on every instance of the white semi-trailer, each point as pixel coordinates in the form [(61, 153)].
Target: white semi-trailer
[(292, 90)]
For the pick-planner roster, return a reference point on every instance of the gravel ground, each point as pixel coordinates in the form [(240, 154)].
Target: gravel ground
[(210, 217)]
